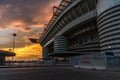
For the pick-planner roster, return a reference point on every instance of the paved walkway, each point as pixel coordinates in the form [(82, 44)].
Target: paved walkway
[(56, 73)]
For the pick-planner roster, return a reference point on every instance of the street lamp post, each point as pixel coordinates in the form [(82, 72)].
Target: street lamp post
[(14, 35)]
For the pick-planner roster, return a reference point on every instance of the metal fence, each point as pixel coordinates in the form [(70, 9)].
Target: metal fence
[(99, 61), (24, 64), (113, 61)]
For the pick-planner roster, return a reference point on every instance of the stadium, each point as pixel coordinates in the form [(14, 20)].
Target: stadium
[(81, 27)]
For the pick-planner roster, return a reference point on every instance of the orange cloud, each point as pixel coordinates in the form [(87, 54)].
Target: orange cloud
[(31, 52)]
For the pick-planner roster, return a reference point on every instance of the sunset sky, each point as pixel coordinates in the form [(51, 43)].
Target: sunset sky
[(26, 18)]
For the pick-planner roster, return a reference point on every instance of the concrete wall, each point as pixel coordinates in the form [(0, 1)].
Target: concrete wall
[(60, 44), (109, 24), (45, 53), (103, 5)]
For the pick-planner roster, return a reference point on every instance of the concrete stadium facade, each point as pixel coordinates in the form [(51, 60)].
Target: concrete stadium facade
[(82, 27)]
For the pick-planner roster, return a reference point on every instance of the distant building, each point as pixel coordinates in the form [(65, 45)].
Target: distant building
[(81, 27), (4, 54)]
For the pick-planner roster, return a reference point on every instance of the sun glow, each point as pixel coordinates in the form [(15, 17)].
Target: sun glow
[(32, 52)]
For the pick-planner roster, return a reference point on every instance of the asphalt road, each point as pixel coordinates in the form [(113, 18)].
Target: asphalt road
[(56, 73)]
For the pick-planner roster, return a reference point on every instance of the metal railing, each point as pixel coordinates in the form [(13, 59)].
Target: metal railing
[(24, 64), (63, 5)]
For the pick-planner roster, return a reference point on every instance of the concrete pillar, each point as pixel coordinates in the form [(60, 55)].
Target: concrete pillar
[(108, 12), (45, 53), (60, 44)]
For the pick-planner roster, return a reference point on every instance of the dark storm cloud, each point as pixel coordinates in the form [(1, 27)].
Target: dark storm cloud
[(26, 17), (24, 10)]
